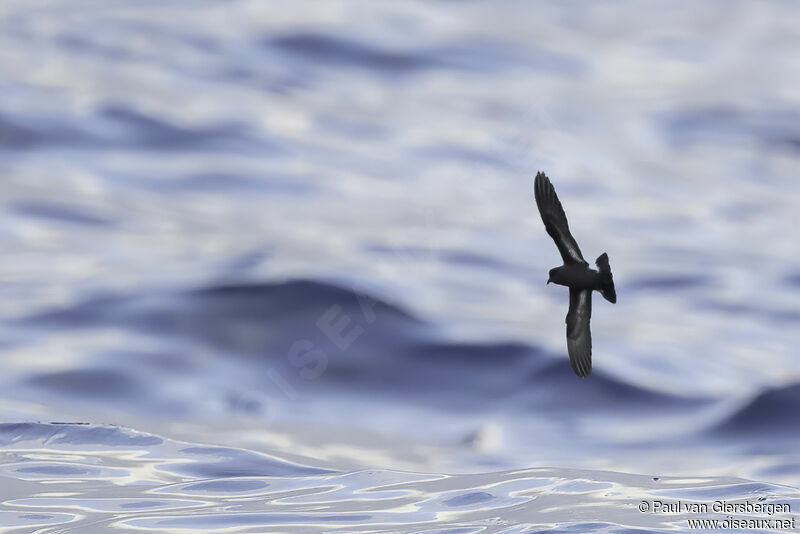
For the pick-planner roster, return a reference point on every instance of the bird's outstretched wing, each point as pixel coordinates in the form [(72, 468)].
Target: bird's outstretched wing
[(555, 221), (579, 335)]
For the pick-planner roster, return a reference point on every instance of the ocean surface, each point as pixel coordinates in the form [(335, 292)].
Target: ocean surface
[(276, 266)]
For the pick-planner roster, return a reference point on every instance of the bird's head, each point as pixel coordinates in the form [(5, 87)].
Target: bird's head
[(552, 275)]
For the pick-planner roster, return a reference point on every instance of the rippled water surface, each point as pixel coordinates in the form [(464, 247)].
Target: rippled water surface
[(277, 267)]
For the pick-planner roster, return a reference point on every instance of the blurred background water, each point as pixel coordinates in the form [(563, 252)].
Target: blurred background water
[(290, 252)]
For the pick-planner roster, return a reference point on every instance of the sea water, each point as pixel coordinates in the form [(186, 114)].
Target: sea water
[(276, 267)]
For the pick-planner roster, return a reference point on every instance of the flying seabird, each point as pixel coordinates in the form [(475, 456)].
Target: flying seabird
[(575, 274)]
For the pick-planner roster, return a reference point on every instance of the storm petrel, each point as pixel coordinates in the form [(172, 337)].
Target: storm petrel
[(575, 274)]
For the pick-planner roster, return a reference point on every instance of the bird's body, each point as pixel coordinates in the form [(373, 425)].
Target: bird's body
[(575, 274)]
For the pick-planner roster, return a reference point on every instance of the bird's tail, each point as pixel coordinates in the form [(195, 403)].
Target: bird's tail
[(606, 279)]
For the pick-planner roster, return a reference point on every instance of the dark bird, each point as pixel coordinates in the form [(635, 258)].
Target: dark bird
[(575, 274)]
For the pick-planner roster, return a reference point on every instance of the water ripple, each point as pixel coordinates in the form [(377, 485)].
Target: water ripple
[(126, 492)]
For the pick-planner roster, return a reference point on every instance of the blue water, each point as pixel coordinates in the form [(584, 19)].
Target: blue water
[(278, 267)]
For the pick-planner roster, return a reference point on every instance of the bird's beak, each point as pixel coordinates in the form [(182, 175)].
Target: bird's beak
[(548, 281)]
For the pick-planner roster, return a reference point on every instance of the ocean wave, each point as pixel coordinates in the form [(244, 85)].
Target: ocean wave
[(772, 413), (351, 340)]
